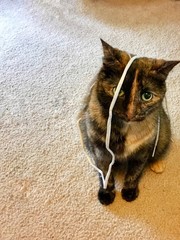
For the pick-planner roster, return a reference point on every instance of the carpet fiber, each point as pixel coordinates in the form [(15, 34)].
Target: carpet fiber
[(49, 53)]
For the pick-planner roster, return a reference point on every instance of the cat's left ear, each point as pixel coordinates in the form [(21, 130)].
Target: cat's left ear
[(114, 55), (164, 67), (107, 49)]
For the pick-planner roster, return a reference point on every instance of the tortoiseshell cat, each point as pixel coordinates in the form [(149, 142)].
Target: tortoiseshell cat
[(134, 122)]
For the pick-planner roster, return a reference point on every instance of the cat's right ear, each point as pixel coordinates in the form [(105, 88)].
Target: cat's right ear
[(107, 49), (163, 67)]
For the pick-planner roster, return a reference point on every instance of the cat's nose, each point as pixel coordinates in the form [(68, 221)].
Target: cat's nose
[(130, 112), (126, 118)]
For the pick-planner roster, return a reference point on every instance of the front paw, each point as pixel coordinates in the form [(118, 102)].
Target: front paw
[(105, 196), (129, 194)]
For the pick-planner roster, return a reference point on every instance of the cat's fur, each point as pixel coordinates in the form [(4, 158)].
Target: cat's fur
[(134, 122)]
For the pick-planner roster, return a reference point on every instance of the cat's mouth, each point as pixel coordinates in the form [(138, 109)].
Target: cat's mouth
[(137, 118), (126, 118)]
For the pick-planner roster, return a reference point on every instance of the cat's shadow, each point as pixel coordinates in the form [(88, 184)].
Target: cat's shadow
[(119, 170), (119, 3), (128, 13), (158, 198)]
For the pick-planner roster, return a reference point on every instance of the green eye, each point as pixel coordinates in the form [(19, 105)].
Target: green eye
[(147, 96), (121, 93)]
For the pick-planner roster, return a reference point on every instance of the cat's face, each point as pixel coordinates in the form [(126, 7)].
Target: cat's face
[(144, 86)]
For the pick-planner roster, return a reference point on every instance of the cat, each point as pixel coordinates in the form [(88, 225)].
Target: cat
[(134, 120)]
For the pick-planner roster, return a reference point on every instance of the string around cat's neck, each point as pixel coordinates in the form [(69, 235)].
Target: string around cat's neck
[(108, 132)]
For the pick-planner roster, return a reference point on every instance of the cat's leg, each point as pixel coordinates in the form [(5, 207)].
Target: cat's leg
[(105, 196), (158, 166), (130, 189), (102, 159)]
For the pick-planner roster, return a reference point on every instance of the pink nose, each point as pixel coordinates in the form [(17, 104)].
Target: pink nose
[(129, 116)]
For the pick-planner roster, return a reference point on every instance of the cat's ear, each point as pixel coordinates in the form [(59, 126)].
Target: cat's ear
[(164, 67), (107, 49), (114, 56)]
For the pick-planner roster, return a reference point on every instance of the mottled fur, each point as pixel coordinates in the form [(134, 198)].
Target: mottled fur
[(134, 122)]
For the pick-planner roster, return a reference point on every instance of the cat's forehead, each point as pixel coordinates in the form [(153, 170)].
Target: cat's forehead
[(143, 64), (139, 72)]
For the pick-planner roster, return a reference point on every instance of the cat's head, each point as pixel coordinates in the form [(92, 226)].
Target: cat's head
[(144, 86)]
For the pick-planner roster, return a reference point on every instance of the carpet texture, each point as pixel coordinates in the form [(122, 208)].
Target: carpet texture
[(49, 53)]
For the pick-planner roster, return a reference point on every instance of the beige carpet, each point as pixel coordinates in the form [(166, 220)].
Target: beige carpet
[(49, 53)]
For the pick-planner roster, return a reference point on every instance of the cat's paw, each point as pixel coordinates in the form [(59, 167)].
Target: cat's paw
[(158, 166), (105, 196), (129, 194)]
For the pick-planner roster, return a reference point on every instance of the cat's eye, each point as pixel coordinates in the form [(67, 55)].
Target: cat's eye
[(146, 96), (121, 93)]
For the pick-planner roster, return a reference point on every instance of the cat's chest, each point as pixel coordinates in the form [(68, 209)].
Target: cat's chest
[(138, 134)]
